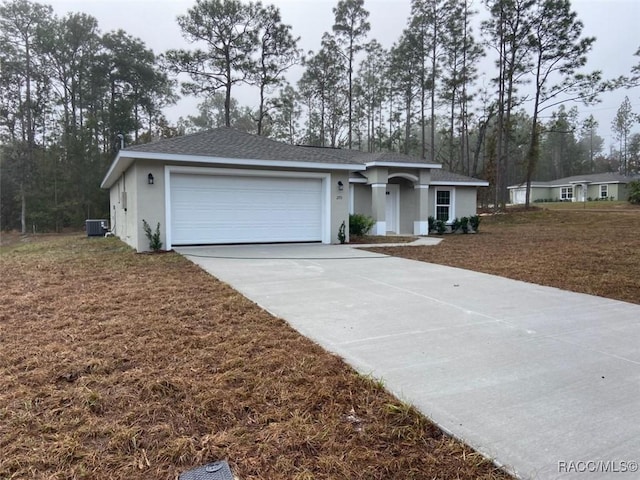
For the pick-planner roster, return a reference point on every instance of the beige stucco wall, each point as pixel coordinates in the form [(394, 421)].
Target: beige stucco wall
[(466, 202), (622, 192), (362, 199), (123, 212), (616, 190), (150, 201), (539, 193), (339, 204)]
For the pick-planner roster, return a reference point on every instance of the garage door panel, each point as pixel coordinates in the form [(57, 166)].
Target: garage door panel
[(224, 209)]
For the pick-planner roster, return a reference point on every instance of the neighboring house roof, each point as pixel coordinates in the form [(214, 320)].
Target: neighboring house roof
[(595, 178)]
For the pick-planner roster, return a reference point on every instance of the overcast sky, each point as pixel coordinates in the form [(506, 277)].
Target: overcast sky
[(613, 22)]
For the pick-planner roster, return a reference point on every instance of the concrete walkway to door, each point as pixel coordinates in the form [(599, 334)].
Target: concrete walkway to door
[(544, 381)]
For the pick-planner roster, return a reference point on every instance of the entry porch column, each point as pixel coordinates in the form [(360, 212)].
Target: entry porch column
[(378, 177), (421, 188), (421, 224)]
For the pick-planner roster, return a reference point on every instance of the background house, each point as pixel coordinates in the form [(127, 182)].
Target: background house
[(578, 188), (226, 186)]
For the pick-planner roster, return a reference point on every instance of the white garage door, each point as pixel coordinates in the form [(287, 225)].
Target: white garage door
[(208, 209), (519, 196)]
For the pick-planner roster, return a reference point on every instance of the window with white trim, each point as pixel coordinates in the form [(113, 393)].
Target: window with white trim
[(566, 193), (443, 205), (604, 191)]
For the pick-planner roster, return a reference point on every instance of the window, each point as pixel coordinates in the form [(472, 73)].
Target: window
[(443, 205), (566, 193), (604, 191)]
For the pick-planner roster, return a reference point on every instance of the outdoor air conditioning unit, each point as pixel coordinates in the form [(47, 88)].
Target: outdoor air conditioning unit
[(96, 228)]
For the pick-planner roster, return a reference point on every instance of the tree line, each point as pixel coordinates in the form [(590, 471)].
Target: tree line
[(71, 94), (67, 93)]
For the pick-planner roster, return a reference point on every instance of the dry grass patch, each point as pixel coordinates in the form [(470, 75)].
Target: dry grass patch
[(124, 366), (592, 252)]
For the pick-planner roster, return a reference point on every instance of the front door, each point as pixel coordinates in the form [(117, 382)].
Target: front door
[(392, 212)]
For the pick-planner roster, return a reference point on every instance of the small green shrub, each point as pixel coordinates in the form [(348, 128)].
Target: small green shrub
[(464, 224), (154, 237), (634, 192), (455, 225), (474, 221), (360, 225), (342, 236), (441, 227), (432, 223)]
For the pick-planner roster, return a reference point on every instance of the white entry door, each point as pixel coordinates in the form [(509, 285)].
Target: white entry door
[(392, 211)]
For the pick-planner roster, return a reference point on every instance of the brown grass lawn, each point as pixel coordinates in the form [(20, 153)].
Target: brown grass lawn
[(584, 250), (115, 365)]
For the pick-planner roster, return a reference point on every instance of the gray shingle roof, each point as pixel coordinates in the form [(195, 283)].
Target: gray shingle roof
[(231, 143), (437, 174), (366, 157), (234, 144), (606, 177), (446, 176)]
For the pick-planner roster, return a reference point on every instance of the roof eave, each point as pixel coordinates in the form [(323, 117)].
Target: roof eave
[(118, 166), (126, 157), (533, 185), (459, 183), (402, 164)]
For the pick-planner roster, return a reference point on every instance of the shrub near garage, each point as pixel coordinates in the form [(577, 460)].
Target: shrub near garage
[(360, 225)]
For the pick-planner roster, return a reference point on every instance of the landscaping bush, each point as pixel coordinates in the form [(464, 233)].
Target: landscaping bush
[(360, 225), (474, 221), (634, 192), (342, 237), (432, 224), (464, 224), (441, 227), (154, 237), (455, 225)]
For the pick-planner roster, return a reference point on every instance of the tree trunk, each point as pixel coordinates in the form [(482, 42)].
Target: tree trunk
[(261, 109), (23, 210)]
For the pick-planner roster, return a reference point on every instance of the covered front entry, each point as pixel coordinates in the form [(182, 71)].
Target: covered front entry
[(218, 207)]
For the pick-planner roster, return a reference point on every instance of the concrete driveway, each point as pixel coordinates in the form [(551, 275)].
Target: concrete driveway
[(544, 381)]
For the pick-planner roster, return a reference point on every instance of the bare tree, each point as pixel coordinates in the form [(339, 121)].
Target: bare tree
[(228, 29), (351, 28), (558, 50), (621, 126)]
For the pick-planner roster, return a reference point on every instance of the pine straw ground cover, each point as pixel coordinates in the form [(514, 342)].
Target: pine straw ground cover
[(115, 365), (587, 251)]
